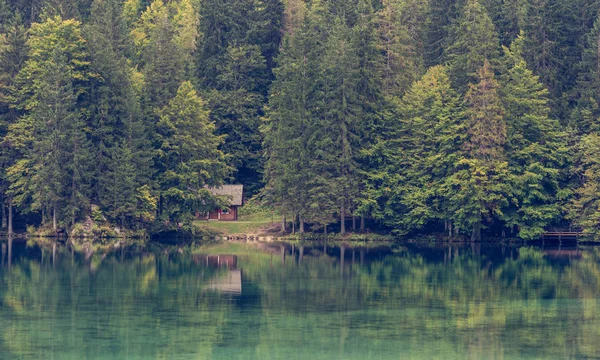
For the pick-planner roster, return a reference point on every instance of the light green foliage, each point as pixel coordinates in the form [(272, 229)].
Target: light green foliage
[(188, 158), (56, 152)]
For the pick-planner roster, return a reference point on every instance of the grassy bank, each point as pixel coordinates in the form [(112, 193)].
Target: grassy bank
[(258, 223)]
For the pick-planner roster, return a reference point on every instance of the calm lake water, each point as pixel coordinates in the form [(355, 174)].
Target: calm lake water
[(313, 302)]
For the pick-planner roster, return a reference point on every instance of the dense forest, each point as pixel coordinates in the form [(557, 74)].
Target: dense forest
[(460, 116)]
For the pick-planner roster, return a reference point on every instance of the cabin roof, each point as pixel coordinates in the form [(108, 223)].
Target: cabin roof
[(234, 193)]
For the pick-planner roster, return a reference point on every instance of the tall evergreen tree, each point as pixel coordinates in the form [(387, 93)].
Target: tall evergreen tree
[(339, 141), (478, 186), (440, 16), (585, 116), (473, 41), (422, 143), (236, 108), (401, 40), (118, 132), (13, 53), (291, 121), (584, 209), (188, 158), (52, 90), (536, 148)]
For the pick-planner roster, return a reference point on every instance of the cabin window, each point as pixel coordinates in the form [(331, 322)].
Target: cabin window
[(225, 212)]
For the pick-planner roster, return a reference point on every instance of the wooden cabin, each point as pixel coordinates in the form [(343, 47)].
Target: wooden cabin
[(235, 195)]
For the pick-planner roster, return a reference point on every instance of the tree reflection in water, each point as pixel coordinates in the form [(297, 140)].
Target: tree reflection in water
[(317, 301)]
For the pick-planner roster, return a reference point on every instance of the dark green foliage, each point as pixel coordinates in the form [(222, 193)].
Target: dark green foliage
[(473, 40), (122, 151), (406, 112)]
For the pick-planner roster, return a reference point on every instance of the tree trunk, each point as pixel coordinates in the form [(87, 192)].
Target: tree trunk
[(449, 226), (3, 216), (10, 217), (342, 219), (476, 233), (362, 223), (301, 224), (353, 223), (283, 227), (54, 227), (325, 229)]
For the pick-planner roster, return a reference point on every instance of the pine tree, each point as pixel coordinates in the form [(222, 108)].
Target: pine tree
[(401, 40), (164, 67), (236, 108), (536, 148), (418, 153), (440, 16), (59, 149), (473, 41), (486, 129), (339, 142), (585, 116), (52, 90), (13, 53), (188, 158), (291, 122), (118, 132), (479, 187), (584, 207), (551, 48)]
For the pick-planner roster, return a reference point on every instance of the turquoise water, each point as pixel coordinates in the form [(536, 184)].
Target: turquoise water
[(313, 302)]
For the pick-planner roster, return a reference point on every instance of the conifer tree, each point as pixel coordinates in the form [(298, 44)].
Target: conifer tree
[(536, 148), (52, 90), (401, 40), (188, 158), (584, 210), (478, 188), (164, 67), (118, 132), (585, 116), (440, 16), (473, 40), (341, 124), (291, 121), (421, 146), (13, 53), (236, 108)]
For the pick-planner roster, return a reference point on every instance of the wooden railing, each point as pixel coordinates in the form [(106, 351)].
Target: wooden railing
[(562, 235)]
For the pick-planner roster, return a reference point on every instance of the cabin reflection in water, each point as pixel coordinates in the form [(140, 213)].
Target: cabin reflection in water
[(229, 282)]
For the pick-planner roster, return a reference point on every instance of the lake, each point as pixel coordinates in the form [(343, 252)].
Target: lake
[(283, 301)]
